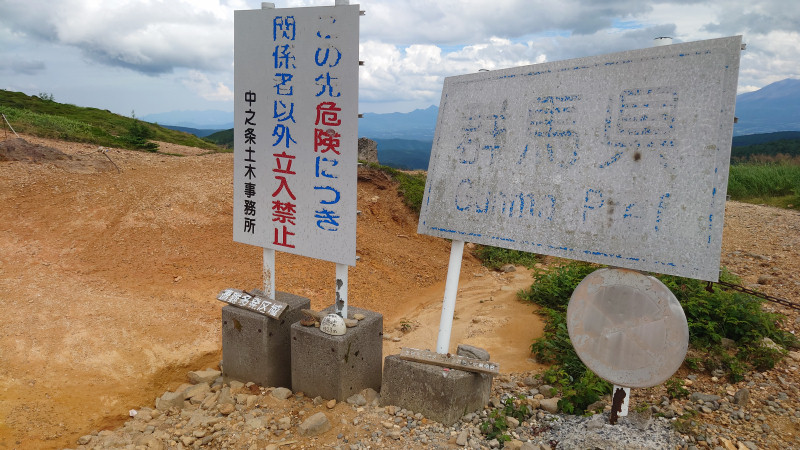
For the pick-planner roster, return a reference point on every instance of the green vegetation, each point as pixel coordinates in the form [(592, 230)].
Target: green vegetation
[(776, 184), (761, 151), (712, 315), (724, 314), (496, 257), (44, 117), (496, 425), (222, 138), (766, 169), (675, 388), (411, 186)]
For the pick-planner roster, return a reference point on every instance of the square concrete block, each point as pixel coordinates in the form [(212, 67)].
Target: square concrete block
[(336, 367), (257, 348), (425, 389)]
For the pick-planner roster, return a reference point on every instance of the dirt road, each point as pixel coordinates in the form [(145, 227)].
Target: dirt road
[(108, 281)]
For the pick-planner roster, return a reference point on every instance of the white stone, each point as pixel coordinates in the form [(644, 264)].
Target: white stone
[(314, 425)]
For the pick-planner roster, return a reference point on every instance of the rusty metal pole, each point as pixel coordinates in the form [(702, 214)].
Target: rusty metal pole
[(619, 399)]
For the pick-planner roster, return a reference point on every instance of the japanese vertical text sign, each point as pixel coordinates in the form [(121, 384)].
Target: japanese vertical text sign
[(296, 130), (619, 159)]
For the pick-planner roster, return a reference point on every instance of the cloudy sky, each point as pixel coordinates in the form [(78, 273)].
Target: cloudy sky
[(152, 56)]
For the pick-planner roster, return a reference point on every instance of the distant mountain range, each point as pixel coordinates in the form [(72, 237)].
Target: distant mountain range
[(199, 132), (419, 124), (775, 107), (200, 120), (405, 139)]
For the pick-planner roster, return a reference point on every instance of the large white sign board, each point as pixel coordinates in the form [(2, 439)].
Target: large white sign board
[(296, 131), (618, 159)]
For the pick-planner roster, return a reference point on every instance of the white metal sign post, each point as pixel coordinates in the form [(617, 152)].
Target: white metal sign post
[(450, 292), (295, 134)]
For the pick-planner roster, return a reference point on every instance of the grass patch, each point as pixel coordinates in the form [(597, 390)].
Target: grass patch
[(772, 184), (411, 186), (495, 257), (46, 118)]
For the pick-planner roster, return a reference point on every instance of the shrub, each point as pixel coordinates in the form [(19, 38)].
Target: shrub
[(555, 347), (577, 396), (496, 425), (553, 288), (138, 135), (675, 388), (724, 314), (711, 312), (496, 257)]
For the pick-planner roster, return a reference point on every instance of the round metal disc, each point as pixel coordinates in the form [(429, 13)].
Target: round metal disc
[(627, 327)]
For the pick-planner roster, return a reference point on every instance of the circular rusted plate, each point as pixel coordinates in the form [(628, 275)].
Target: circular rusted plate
[(627, 327)]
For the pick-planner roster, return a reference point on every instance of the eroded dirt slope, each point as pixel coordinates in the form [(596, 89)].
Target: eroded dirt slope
[(108, 280)]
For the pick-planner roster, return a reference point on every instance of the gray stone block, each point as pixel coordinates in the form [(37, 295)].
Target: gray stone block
[(336, 367), (257, 348), (425, 388), (470, 351)]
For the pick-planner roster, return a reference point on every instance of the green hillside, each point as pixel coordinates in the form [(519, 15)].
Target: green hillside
[(786, 148), (42, 116), (223, 138)]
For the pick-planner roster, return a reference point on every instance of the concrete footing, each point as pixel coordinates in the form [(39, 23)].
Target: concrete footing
[(256, 347), (439, 394), (336, 367)]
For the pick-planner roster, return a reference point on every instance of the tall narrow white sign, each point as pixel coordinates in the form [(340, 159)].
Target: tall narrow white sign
[(296, 131)]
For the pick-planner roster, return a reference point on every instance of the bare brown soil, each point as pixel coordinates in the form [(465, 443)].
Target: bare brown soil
[(108, 280)]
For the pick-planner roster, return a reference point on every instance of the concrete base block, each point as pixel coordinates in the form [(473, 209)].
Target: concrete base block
[(425, 389), (336, 367), (257, 348)]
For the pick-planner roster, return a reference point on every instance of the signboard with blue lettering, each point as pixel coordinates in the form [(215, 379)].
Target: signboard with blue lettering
[(296, 130), (619, 159)]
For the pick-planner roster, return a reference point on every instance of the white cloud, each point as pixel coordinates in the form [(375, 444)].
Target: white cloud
[(148, 36), (22, 66), (205, 88), (409, 46), (416, 73)]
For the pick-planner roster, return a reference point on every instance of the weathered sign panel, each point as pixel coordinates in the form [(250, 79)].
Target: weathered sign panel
[(296, 131), (619, 159), (255, 303)]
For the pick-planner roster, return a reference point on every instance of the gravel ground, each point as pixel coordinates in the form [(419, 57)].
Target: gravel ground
[(760, 412), (761, 245)]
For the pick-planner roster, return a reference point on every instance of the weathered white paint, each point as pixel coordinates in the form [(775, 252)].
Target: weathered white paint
[(625, 402), (618, 159), (340, 305), (269, 272)]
